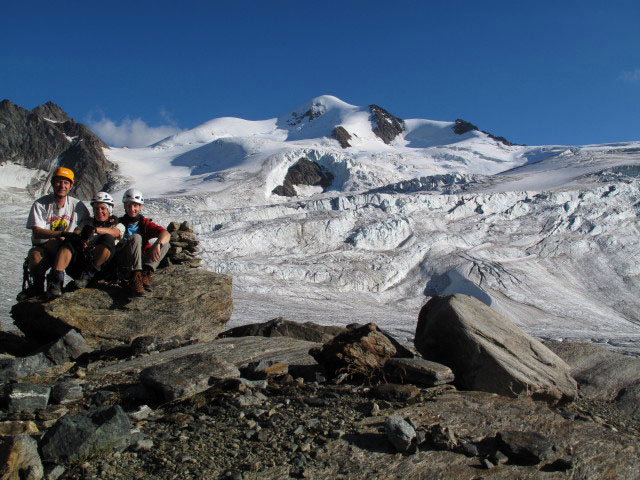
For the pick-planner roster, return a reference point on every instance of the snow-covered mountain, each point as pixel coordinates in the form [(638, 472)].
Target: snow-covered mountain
[(406, 209)]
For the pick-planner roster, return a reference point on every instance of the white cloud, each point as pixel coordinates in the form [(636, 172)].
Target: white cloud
[(131, 133), (630, 77)]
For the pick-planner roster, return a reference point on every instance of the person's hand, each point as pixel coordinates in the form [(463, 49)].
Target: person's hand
[(155, 252)]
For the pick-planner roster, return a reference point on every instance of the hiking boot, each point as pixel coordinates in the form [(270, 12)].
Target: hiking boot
[(85, 277), (34, 290), (146, 280), (55, 280), (136, 286)]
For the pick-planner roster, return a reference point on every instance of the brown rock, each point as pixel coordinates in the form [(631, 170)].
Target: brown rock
[(185, 302), (361, 351)]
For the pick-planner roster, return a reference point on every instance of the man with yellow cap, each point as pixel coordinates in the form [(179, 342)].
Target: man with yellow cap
[(50, 218)]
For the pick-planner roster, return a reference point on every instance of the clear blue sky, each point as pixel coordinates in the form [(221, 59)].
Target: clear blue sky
[(561, 72)]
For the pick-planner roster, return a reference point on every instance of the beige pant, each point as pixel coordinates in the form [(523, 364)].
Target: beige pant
[(130, 257)]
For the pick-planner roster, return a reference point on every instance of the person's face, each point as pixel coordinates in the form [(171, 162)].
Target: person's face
[(101, 212), (61, 186), (132, 209)]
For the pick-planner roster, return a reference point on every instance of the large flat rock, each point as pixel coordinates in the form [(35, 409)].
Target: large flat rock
[(237, 351), (488, 352), (185, 302)]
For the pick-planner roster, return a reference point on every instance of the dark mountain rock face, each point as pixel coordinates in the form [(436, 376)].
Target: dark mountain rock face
[(46, 137), (304, 172), (342, 136), (386, 126), (462, 126)]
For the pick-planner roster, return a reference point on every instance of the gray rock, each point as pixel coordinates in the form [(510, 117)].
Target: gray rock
[(54, 472), (67, 391), (395, 392), (525, 448), (399, 432), (152, 343), (13, 368), (19, 458), (185, 302), (67, 348), (237, 351), (488, 352), (102, 429), (419, 371), (602, 374), (188, 375), (26, 396)]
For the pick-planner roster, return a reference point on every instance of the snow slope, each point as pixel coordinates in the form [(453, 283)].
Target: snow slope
[(547, 235)]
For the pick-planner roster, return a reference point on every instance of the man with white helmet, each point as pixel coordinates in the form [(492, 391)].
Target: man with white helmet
[(137, 255), (51, 219), (84, 253)]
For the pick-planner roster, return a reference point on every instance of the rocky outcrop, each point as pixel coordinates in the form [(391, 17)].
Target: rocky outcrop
[(385, 126), (46, 137), (279, 327), (488, 352), (461, 127), (186, 302), (602, 374), (304, 172), (342, 136)]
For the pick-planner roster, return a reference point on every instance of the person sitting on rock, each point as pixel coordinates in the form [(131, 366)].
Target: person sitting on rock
[(136, 255), (84, 253), (51, 217)]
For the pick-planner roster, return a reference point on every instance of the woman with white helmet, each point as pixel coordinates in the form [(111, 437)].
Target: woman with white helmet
[(85, 253), (137, 256)]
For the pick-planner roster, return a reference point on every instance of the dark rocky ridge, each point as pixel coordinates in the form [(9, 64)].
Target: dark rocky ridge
[(342, 136), (385, 126), (40, 139), (461, 127), (304, 172)]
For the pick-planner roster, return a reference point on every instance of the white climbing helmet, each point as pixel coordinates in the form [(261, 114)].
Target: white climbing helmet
[(133, 195), (103, 197)]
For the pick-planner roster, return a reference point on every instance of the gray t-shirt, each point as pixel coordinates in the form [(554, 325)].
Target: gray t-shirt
[(45, 214)]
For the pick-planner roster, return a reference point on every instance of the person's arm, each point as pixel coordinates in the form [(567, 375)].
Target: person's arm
[(45, 234), (113, 231), (163, 239)]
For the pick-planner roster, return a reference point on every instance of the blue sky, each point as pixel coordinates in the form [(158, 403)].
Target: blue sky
[(536, 72)]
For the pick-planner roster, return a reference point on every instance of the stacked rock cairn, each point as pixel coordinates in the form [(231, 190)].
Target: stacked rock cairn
[(184, 245)]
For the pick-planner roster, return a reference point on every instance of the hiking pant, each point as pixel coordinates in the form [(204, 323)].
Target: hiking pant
[(130, 257)]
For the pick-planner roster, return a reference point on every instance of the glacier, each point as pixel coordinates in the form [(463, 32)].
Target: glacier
[(546, 235)]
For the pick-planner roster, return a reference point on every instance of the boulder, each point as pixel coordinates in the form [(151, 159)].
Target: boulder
[(399, 432), (67, 348), (488, 352), (185, 302), (361, 351), (26, 396), (602, 374), (279, 327), (67, 391), (94, 431), (18, 427), (13, 368), (187, 375), (525, 448), (419, 371), (19, 459)]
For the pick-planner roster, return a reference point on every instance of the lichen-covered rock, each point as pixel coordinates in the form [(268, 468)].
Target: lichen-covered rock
[(187, 302), (19, 459), (488, 352)]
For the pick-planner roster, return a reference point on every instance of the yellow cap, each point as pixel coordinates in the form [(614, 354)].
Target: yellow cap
[(64, 173)]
